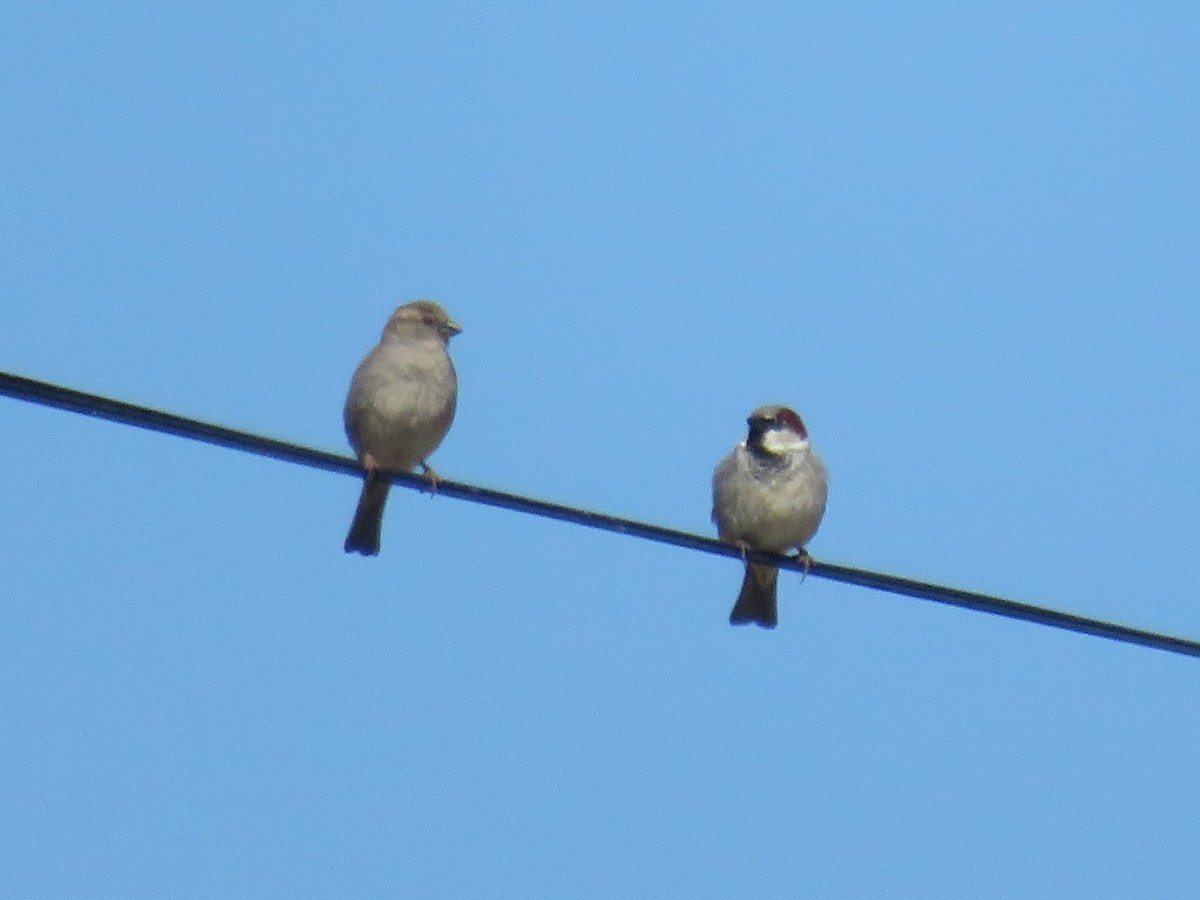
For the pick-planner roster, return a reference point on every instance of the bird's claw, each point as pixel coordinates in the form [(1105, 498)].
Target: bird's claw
[(434, 480), (369, 465), (803, 557)]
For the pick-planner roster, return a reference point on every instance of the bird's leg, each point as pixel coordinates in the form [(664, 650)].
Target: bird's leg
[(431, 475), (369, 466), (803, 556)]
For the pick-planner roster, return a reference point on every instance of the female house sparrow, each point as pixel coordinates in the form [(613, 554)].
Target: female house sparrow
[(400, 406), (768, 494)]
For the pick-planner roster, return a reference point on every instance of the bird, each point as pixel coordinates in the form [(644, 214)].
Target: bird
[(399, 407), (769, 494)]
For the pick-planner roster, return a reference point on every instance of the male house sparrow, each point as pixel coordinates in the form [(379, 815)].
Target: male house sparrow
[(768, 494), (400, 406)]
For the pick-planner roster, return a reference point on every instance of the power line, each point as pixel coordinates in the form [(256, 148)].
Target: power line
[(46, 394)]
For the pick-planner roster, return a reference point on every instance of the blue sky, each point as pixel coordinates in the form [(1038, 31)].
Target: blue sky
[(960, 239)]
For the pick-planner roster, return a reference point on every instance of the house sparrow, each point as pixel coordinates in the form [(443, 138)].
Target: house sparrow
[(768, 494), (400, 406)]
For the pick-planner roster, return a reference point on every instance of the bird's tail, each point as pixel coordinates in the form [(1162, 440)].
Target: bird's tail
[(757, 601), (368, 517)]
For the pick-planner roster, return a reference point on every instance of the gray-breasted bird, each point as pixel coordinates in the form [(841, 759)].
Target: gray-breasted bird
[(399, 407), (768, 494)]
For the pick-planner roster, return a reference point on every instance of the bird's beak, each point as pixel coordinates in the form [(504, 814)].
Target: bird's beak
[(452, 327)]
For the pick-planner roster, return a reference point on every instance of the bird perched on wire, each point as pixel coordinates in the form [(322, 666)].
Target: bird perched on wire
[(768, 494), (399, 407)]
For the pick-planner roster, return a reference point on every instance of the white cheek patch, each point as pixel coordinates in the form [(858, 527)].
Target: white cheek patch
[(783, 440)]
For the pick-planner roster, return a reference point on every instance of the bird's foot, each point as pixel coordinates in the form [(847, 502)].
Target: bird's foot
[(803, 557), (432, 476)]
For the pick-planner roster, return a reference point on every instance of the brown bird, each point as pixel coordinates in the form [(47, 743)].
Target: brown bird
[(399, 407), (768, 494)]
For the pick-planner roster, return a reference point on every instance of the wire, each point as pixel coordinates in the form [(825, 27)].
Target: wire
[(46, 394)]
